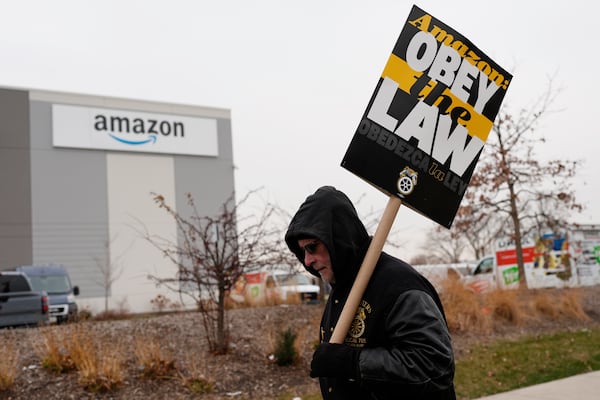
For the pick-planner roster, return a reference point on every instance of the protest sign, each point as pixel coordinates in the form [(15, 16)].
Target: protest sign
[(423, 131), (428, 119)]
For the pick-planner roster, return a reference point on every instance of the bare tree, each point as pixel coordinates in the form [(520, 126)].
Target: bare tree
[(371, 218), (110, 270), (471, 236), (511, 180), (212, 252), (477, 227), (444, 246)]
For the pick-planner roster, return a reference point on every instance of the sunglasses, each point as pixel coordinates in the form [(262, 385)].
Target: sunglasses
[(311, 248)]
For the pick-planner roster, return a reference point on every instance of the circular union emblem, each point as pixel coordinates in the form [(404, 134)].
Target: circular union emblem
[(405, 185), (358, 327), (407, 181)]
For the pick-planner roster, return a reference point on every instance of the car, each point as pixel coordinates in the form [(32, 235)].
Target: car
[(55, 281), (290, 286), (20, 305)]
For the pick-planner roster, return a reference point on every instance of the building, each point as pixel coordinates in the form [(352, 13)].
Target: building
[(77, 174)]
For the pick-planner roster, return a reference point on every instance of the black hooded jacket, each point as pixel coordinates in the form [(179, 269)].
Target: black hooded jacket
[(399, 327)]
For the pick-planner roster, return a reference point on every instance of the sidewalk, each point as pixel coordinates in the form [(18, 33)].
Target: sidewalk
[(578, 387)]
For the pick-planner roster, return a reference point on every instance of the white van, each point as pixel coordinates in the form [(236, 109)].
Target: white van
[(275, 286), (288, 285)]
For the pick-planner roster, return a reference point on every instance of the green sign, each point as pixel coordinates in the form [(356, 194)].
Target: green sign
[(510, 275)]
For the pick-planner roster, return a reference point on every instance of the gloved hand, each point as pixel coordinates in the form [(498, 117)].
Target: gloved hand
[(335, 360)]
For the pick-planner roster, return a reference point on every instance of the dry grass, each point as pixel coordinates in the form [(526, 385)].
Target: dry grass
[(99, 361), (505, 306), (464, 308), (154, 360), (81, 344), (102, 372), (193, 377), (571, 305), (53, 352), (306, 334), (112, 315), (9, 363), (120, 312), (567, 304), (543, 305), (467, 311)]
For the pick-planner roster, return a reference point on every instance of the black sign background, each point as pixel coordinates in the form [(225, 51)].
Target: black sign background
[(379, 156)]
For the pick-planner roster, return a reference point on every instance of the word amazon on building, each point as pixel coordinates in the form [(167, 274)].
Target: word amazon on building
[(77, 174)]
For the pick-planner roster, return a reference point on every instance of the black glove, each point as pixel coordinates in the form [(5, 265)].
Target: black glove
[(335, 360)]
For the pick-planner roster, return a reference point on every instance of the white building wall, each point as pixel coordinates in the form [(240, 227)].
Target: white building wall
[(131, 209)]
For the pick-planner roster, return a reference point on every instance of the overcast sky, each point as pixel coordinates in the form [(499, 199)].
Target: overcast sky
[(297, 76)]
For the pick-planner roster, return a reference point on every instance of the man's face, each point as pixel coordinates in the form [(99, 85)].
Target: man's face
[(316, 256)]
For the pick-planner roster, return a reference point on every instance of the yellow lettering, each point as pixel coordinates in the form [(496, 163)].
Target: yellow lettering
[(499, 79), (442, 36), (460, 48), (422, 23)]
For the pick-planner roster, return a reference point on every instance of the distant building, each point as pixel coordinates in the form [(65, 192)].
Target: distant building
[(76, 177)]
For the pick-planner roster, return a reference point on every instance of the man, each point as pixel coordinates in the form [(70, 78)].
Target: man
[(398, 346)]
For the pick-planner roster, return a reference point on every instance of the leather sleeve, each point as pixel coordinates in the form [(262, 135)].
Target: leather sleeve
[(419, 354)]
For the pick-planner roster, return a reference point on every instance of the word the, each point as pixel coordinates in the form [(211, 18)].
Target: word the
[(431, 129)]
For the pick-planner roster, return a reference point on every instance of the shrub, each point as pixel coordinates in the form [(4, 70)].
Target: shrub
[(570, 305), (112, 315), (162, 303), (9, 364), (199, 385), (98, 360), (544, 305), (467, 311), (84, 315), (192, 375), (53, 352), (307, 339), (153, 360), (505, 306), (463, 307), (285, 352), (102, 371), (558, 303)]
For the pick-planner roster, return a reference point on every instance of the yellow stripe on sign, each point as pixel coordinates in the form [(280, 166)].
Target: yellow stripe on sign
[(400, 72)]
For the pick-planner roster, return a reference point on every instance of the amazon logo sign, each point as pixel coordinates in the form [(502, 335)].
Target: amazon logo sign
[(124, 130), (121, 129)]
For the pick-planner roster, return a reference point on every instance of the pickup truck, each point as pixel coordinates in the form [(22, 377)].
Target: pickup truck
[(19, 304), (55, 281)]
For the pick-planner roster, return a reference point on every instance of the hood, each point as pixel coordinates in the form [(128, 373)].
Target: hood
[(328, 215)]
